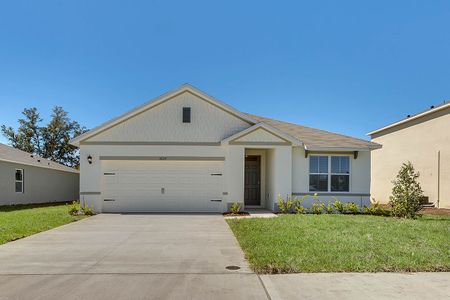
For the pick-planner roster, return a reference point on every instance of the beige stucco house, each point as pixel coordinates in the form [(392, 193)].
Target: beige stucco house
[(423, 139), (186, 151), (26, 178)]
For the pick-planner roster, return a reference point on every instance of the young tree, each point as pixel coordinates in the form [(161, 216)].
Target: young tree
[(406, 193), (51, 141)]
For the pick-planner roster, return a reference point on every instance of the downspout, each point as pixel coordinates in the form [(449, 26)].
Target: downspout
[(439, 178)]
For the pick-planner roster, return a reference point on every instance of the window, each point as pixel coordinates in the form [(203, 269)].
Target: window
[(186, 115), (318, 173), (340, 173), (329, 173), (19, 180)]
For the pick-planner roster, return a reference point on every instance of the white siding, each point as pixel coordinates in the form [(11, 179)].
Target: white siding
[(40, 185), (163, 123)]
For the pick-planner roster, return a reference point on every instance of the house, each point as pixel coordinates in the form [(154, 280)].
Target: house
[(186, 151), (423, 139), (26, 178)]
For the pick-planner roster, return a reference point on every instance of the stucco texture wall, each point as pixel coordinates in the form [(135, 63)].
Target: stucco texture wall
[(359, 178), (426, 143), (41, 185)]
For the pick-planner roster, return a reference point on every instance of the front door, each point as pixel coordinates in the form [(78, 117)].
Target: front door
[(252, 186)]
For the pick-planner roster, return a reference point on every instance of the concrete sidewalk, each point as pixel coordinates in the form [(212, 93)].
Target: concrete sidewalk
[(365, 286)]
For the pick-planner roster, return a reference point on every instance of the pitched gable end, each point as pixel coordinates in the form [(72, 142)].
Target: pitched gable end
[(161, 121)]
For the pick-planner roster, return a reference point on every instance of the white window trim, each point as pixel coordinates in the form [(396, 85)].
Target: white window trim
[(329, 174), (21, 181)]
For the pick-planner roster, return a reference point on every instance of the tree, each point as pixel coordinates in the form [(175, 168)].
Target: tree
[(51, 141), (406, 193), (28, 136)]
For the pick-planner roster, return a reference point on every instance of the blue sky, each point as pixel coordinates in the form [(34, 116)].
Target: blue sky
[(344, 66)]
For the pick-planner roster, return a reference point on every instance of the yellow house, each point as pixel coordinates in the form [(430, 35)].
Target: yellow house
[(423, 139)]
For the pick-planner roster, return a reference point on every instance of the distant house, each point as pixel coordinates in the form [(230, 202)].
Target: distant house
[(25, 178), (423, 139)]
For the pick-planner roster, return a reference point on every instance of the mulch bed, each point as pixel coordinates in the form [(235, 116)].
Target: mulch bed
[(240, 214), (435, 211)]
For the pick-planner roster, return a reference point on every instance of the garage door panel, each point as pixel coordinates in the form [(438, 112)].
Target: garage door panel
[(162, 186)]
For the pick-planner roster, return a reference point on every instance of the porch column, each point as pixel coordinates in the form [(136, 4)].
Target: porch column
[(235, 174), (281, 174)]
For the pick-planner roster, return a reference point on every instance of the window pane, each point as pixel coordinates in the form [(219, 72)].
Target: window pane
[(340, 183), (18, 175), (318, 183), (335, 164), (345, 164), (313, 164), (19, 187), (323, 164), (340, 164)]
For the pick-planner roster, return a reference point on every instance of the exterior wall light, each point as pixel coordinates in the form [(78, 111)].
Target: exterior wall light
[(89, 159)]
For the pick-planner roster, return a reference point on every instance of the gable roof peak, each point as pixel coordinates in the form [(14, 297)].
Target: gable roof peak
[(158, 100)]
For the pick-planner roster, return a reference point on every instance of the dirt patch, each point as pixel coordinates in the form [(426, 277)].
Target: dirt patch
[(435, 211)]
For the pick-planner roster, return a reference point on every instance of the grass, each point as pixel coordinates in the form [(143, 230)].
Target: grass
[(344, 243), (18, 221)]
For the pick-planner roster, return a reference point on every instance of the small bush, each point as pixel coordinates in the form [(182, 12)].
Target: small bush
[(87, 211), (352, 208), (376, 210), (339, 206), (74, 208), (235, 208), (285, 206), (298, 207), (406, 193), (328, 208), (316, 208)]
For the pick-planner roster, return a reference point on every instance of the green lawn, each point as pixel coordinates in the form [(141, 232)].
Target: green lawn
[(18, 221), (344, 243)]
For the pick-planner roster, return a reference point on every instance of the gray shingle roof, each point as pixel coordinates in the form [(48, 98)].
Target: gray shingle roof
[(14, 155), (315, 139)]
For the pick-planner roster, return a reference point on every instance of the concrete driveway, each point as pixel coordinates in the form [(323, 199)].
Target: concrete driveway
[(175, 257), (113, 256)]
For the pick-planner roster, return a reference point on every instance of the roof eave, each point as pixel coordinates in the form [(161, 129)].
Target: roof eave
[(409, 119)]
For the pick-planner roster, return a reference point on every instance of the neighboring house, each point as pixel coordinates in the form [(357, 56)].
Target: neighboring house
[(186, 151), (26, 178), (423, 139)]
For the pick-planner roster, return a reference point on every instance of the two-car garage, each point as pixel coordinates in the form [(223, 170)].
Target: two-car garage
[(162, 185)]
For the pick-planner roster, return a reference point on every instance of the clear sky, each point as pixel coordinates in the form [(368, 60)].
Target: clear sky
[(344, 66)]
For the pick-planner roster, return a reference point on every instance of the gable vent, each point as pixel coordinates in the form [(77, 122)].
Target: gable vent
[(186, 115)]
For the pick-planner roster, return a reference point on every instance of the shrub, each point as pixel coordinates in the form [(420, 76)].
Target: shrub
[(339, 206), (74, 208), (87, 210), (352, 208), (406, 193), (327, 208), (376, 210), (235, 208), (316, 208), (285, 206), (298, 207)]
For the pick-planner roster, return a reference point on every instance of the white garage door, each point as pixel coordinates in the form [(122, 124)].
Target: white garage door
[(162, 186)]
